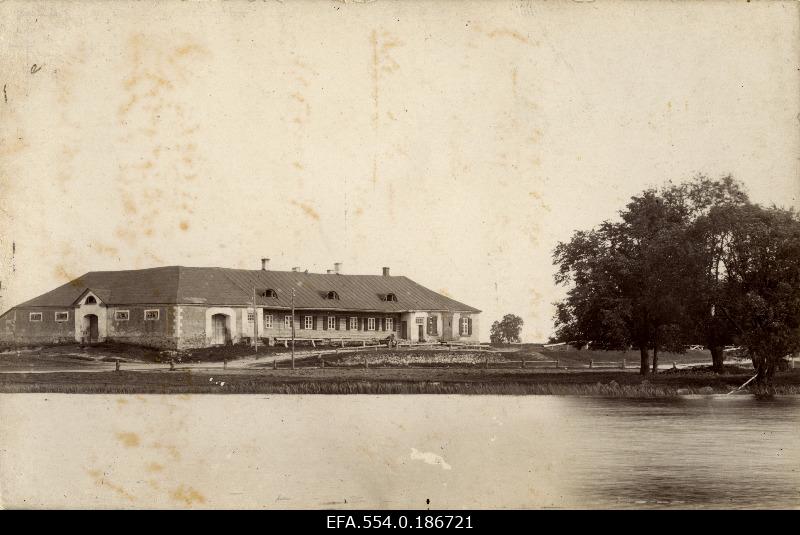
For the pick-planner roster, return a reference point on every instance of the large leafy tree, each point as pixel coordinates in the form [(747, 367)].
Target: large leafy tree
[(506, 330), (660, 272), (625, 277), (760, 294)]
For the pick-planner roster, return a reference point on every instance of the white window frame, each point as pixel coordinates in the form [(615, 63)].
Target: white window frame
[(370, 324), (157, 311), (353, 323), (32, 315), (331, 323), (55, 316), (465, 325), (419, 320), (251, 317), (390, 324), (118, 312), (308, 322), (268, 321), (288, 321)]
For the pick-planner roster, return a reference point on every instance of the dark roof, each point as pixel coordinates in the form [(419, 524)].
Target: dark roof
[(223, 286)]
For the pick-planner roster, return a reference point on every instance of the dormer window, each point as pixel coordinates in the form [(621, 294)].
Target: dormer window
[(333, 295), (391, 297), (90, 300), (269, 293)]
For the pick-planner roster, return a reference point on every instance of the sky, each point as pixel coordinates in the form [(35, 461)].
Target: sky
[(456, 143)]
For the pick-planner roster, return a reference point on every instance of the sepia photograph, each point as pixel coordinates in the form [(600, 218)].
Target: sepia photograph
[(393, 256)]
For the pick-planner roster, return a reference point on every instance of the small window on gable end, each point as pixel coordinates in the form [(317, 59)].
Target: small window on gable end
[(333, 295), (90, 300), (269, 293), (391, 297)]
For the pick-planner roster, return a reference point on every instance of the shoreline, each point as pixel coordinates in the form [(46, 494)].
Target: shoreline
[(448, 381)]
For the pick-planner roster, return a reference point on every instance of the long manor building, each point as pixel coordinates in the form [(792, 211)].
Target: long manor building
[(178, 307)]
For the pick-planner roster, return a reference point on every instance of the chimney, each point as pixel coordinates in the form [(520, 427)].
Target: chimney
[(264, 264), (330, 271), (337, 267), (296, 269), (385, 271)]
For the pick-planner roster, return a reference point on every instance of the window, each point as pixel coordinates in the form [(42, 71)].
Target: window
[(420, 321), (287, 322), (268, 321), (370, 324), (122, 315), (269, 293), (151, 315), (62, 316), (35, 316), (333, 295), (389, 324), (309, 322), (353, 324), (251, 317), (90, 300), (331, 322), (464, 325), (391, 297)]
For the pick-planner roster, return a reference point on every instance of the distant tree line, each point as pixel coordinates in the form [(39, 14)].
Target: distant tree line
[(689, 263)]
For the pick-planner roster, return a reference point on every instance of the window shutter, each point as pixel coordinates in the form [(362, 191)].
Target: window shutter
[(397, 324), (469, 325), (347, 323), (300, 324), (360, 324), (383, 324), (338, 322), (435, 325), (324, 323)]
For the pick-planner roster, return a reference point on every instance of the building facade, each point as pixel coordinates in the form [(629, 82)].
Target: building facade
[(180, 307)]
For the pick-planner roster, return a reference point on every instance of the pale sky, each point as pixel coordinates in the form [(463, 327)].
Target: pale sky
[(456, 143)]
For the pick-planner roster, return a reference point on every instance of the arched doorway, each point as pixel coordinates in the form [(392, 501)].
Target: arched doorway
[(91, 331), (221, 333)]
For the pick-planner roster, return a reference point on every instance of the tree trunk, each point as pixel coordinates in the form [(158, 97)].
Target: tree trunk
[(717, 358), (644, 368), (655, 358)]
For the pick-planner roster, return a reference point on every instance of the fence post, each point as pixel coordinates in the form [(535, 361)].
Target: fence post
[(591, 363), (224, 364), (366, 364), (117, 365), (171, 365), (275, 364), (486, 363), (556, 363), (674, 365), (623, 364), (523, 363), (322, 363)]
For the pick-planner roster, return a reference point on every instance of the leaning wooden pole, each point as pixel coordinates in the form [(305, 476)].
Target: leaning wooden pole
[(292, 328)]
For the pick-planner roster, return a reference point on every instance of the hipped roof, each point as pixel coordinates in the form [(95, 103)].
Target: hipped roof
[(224, 286)]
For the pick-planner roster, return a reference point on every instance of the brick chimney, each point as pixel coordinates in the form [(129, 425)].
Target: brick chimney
[(337, 267), (264, 264), (296, 269), (385, 271)]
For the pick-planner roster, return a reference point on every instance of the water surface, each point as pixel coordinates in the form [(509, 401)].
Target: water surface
[(255, 451)]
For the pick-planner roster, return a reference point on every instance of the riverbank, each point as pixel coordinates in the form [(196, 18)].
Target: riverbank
[(626, 384)]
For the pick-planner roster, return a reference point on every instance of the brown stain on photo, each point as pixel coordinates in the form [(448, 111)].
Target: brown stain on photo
[(307, 209), (129, 440), (187, 495), (100, 480), (154, 467)]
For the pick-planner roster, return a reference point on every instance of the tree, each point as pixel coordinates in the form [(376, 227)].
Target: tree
[(760, 294), (506, 330), (625, 277)]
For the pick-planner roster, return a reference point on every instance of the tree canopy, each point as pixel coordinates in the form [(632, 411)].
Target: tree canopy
[(688, 262), (506, 330)]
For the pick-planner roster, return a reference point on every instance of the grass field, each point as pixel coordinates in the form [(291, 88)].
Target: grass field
[(417, 370)]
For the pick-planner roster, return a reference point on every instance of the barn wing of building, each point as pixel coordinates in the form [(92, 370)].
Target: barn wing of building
[(182, 307)]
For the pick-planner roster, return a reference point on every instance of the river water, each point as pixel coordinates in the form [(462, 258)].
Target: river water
[(255, 451)]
